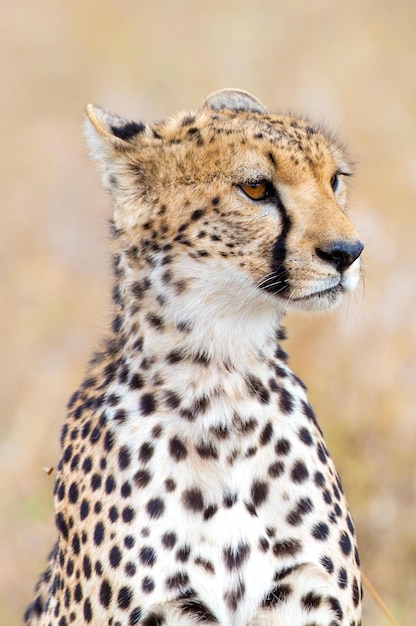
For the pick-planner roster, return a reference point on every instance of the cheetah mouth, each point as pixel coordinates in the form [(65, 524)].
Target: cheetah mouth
[(329, 293)]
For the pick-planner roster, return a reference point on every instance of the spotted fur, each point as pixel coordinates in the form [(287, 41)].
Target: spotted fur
[(194, 485)]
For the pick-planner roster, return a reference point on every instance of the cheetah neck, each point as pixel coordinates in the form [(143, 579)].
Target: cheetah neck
[(213, 315)]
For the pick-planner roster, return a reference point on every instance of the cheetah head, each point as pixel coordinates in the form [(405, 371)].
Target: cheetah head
[(247, 205)]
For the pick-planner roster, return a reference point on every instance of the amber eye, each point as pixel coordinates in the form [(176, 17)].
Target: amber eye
[(255, 191)]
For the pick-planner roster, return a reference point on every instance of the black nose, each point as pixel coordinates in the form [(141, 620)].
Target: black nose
[(341, 254)]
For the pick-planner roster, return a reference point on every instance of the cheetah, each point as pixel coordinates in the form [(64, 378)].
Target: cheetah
[(195, 486)]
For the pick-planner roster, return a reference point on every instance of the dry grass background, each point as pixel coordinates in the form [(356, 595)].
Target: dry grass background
[(352, 65)]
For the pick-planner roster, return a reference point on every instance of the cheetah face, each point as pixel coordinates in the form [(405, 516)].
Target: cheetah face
[(248, 199)]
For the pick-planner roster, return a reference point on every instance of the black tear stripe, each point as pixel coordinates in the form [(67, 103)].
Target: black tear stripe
[(278, 281)]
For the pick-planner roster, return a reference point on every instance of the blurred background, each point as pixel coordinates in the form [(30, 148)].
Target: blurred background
[(351, 65)]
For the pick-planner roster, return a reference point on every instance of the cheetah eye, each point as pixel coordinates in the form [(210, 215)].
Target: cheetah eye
[(256, 191), (335, 182)]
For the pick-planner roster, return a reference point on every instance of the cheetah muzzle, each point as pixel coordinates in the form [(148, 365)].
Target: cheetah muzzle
[(194, 485)]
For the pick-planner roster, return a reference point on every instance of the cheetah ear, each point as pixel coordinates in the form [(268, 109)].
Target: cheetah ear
[(109, 136), (113, 128), (234, 100)]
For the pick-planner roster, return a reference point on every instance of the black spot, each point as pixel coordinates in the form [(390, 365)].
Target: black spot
[(305, 436), (61, 525), (198, 406), (183, 553), (87, 465), (172, 399), (328, 564), (110, 484), (113, 399), (124, 598), (303, 507), (125, 490), (136, 381), (276, 469), (320, 531), (220, 431), (86, 428), (345, 543), (299, 472), (84, 509), (322, 453), (146, 452), (59, 489), (147, 404), (277, 595), (319, 479), (257, 389), (342, 578), (105, 593), (350, 525), (207, 450), (169, 540), (115, 557), (286, 402), (230, 499), (170, 485), (188, 119), (207, 565), (70, 567), (355, 592), (283, 447), (266, 434), (233, 596), (327, 496), (147, 556), (175, 356), (251, 509), (73, 493), (135, 616), (210, 511), (99, 533), (75, 544), (87, 611), (311, 601), (264, 544), (177, 449), (196, 215), (142, 478), (336, 607), (127, 514), (109, 440), (309, 413), (124, 457), (287, 547), (177, 580), (129, 130), (155, 508), (86, 566), (235, 557), (67, 454), (148, 584), (193, 499), (120, 416), (259, 492)]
